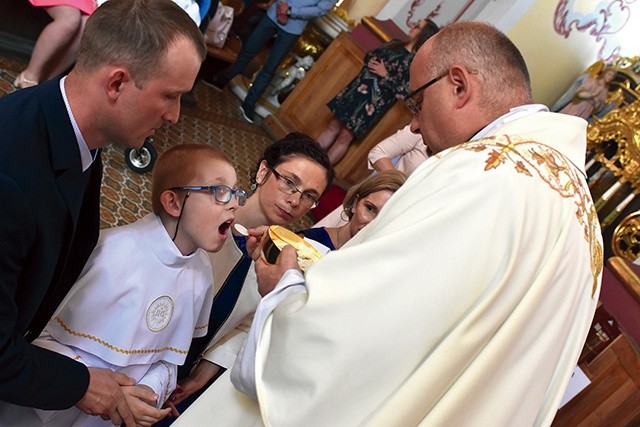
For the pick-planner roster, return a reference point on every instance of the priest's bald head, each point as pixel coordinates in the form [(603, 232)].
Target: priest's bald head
[(462, 79)]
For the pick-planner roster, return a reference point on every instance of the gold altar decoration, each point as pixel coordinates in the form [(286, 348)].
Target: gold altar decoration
[(314, 39), (614, 143), (626, 237), (340, 12)]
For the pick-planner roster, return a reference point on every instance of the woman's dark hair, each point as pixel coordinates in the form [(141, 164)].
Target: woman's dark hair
[(295, 144), (425, 33)]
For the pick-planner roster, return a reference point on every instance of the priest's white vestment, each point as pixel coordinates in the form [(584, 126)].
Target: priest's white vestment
[(465, 303)]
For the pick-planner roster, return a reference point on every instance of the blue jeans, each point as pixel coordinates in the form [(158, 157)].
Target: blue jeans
[(260, 36)]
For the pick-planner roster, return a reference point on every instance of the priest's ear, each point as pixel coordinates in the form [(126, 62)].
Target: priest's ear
[(172, 202), (464, 85)]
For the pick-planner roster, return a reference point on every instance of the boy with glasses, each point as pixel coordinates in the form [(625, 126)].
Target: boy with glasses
[(289, 178), (147, 288)]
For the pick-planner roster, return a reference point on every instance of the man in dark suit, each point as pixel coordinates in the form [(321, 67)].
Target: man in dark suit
[(135, 61)]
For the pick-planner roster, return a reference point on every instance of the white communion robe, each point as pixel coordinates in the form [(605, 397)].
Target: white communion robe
[(134, 309), (465, 303)]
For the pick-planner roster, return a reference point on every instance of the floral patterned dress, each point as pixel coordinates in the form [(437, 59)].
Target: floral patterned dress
[(365, 100)]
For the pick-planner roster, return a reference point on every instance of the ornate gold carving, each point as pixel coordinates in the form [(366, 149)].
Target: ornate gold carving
[(626, 237), (341, 13), (630, 67), (614, 141)]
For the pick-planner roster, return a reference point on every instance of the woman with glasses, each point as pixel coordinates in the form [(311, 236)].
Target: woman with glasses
[(383, 79), (290, 177), (361, 205), (147, 288)]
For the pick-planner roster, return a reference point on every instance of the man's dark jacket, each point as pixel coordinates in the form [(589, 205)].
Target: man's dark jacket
[(48, 227)]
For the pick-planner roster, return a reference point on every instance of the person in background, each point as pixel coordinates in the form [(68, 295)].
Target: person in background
[(57, 45), (284, 19), (383, 79), (467, 301), (403, 151), (290, 177), (136, 58), (361, 205)]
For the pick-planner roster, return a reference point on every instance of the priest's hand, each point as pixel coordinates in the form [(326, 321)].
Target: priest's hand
[(269, 274), (104, 397), (254, 241), (142, 401)]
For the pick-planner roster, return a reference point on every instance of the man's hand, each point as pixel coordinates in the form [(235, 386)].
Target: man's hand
[(104, 397), (203, 372), (254, 242), (282, 7), (269, 274), (142, 401), (281, 12)]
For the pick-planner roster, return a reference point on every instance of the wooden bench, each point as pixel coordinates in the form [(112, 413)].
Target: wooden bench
[(229, 52)]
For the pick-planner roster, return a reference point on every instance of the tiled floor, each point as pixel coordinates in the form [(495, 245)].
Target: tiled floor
[(213, 120)]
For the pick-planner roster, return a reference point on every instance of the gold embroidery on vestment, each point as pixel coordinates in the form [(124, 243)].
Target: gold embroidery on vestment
[(560, 174)]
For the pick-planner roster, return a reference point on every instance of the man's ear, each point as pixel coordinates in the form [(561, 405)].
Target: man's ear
[(462, 85), (171, 203), (116, 78)]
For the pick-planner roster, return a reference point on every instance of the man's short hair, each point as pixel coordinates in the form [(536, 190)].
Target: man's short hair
[(179, 166), (136, 34), (485, 50)]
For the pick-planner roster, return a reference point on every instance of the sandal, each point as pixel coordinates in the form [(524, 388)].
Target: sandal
[(21, 81)]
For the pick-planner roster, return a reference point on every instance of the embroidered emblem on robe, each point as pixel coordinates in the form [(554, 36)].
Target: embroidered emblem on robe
[(159, 313)]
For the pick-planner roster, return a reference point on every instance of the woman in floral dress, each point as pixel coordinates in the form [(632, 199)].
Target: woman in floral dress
[(383, 79)]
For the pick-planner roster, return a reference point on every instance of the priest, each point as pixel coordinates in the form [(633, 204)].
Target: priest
[(469, 298)]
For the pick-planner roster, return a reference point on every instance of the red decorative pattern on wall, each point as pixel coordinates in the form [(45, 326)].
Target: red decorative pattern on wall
[(609, 18)]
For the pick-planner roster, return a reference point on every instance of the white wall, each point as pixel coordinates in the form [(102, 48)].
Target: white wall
[(558, 38)]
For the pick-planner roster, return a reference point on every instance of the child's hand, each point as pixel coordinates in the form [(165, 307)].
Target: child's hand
[(203, 372), (142, 400)]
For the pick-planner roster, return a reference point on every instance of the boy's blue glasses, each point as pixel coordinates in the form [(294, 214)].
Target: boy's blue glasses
[(222, 193)]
